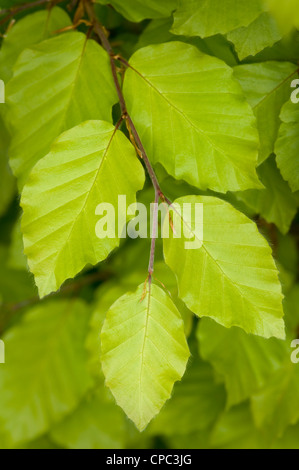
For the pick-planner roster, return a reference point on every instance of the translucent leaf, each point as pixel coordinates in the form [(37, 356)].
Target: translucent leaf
[(88, 165), (45, 377), (207, 17), (138, 10), (273, 90), (51, 91), (245, 361), (144, 351), (30, 30), (287, 145), (194, 119), (228, 274)]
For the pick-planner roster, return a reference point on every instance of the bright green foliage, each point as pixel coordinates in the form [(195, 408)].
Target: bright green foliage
[(143, 342), (62, 66), (46, 377), (29, 31), (245, 361), (274, 79), (261, 33), (276, 203), (287, 145), (247, 295), (138, 10), (144, 352), (98, 164), (194, 102), (207, 17)]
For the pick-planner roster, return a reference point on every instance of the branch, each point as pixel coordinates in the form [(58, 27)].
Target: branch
[(101, 33)]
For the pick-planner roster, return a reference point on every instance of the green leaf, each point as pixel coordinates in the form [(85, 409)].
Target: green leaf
[(7, 182), (235, 430), (97, 423), (273, 90), (28, 31), (230, 276), (157, 31), (51, 91), (276, 406), (45, 375), (138, 10), (144, 351), (286, 13), (261, 33), (196, 403), (194, 119), (287, 145), (245, 361), (276, 203), (88, 165), (207, 17)]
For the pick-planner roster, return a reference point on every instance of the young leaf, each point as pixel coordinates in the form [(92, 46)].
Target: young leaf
[(208, 17), (230, 275), (138, 10), (266, 99), (46, 375), (28, 31), (87, 165), (287, 145), (194, 119), (144, 351), (56, 85), (261, 33), (245, 361)]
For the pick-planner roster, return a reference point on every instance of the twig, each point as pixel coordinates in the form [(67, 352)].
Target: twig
[(101, 33)]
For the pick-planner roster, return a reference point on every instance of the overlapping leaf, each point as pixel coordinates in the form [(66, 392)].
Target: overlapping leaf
[(29, 31), (230, 276), (144, 351), (192, 116), (207, 17), (56, 85), (87, 165), (273, 90), (138, 10), (46, 376), (287, 145), (245, 361), (261, 33)]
